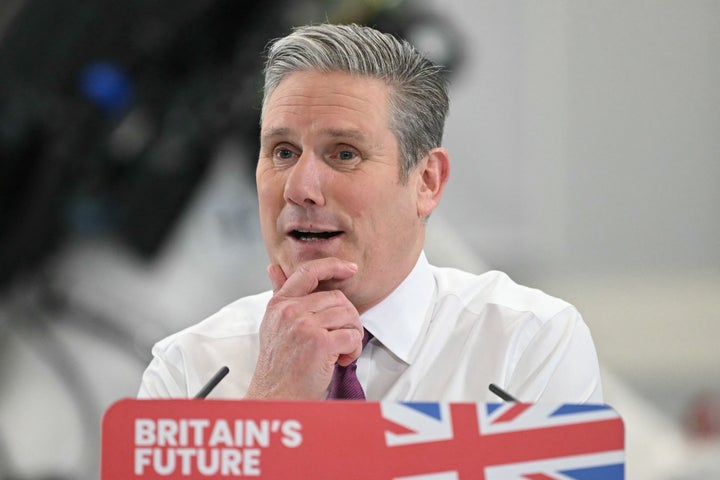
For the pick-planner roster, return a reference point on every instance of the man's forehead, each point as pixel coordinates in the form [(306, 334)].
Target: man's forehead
[(308, 87)]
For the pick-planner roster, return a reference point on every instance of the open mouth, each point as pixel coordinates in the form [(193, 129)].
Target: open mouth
[(313, 235)]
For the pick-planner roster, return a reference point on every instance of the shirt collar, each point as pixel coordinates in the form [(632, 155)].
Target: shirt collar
[(398, 321)]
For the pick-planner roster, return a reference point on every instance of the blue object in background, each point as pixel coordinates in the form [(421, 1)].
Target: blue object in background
[(108, 86)]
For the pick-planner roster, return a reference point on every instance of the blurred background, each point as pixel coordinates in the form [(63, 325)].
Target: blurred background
[(585, 144)]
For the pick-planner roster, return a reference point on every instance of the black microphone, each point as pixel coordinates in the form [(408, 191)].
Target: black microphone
[(209, 386), (501, 393)]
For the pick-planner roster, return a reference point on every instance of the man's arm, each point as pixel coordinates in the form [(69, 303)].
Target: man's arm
[(559, 364), (161, 379)]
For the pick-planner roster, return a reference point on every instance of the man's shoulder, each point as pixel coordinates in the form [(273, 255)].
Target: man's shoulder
[(478, 291), (241, 317)]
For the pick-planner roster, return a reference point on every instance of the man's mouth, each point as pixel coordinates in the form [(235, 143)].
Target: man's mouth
[(313, 235)]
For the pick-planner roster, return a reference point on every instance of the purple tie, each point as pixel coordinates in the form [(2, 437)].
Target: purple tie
[(345, 384)]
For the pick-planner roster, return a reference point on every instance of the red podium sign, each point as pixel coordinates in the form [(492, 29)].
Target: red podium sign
[(219, 439)]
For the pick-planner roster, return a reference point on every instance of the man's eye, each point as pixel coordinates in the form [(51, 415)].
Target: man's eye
[(346, 155), (284, 153)]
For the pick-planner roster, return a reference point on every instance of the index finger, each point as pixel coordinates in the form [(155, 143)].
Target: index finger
[(306, 278)]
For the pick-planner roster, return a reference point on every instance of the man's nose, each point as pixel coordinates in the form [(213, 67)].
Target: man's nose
[(304, 183)]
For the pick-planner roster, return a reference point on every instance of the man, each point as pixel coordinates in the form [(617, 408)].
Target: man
[(350, 168)]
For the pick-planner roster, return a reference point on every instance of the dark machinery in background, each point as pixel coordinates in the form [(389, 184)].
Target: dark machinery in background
[(110, 111)]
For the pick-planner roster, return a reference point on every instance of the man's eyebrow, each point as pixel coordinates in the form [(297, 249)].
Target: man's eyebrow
[(345, 133), (350, 133), (275, 132)]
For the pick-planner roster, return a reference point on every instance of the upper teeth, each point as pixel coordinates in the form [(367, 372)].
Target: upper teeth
[(313, 234)]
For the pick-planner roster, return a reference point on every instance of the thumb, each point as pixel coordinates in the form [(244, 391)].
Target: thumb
[(276, 275)]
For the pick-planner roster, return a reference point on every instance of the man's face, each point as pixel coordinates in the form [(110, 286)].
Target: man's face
[(329, 183)]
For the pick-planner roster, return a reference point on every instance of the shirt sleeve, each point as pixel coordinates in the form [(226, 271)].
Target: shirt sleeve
[(559, 364), (162, 379)]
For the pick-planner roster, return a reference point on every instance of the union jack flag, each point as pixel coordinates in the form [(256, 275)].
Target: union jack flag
[(508, 441)]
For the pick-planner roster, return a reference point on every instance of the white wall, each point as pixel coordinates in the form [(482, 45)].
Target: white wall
[(586, 133)]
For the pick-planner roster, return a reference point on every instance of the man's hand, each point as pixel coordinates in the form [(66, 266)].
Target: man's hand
[(305, 332)]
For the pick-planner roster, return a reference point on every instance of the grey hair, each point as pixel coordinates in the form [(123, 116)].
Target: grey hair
[(418, 88)]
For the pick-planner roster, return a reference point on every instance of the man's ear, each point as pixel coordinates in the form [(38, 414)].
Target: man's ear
[(434, 171)]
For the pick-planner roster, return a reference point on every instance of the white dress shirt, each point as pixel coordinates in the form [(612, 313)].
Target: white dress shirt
[(442, 335)]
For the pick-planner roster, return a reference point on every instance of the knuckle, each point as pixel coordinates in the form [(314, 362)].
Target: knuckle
[(341, 299), (303, 324), (287, 309), (336, 296), (351, 311)]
